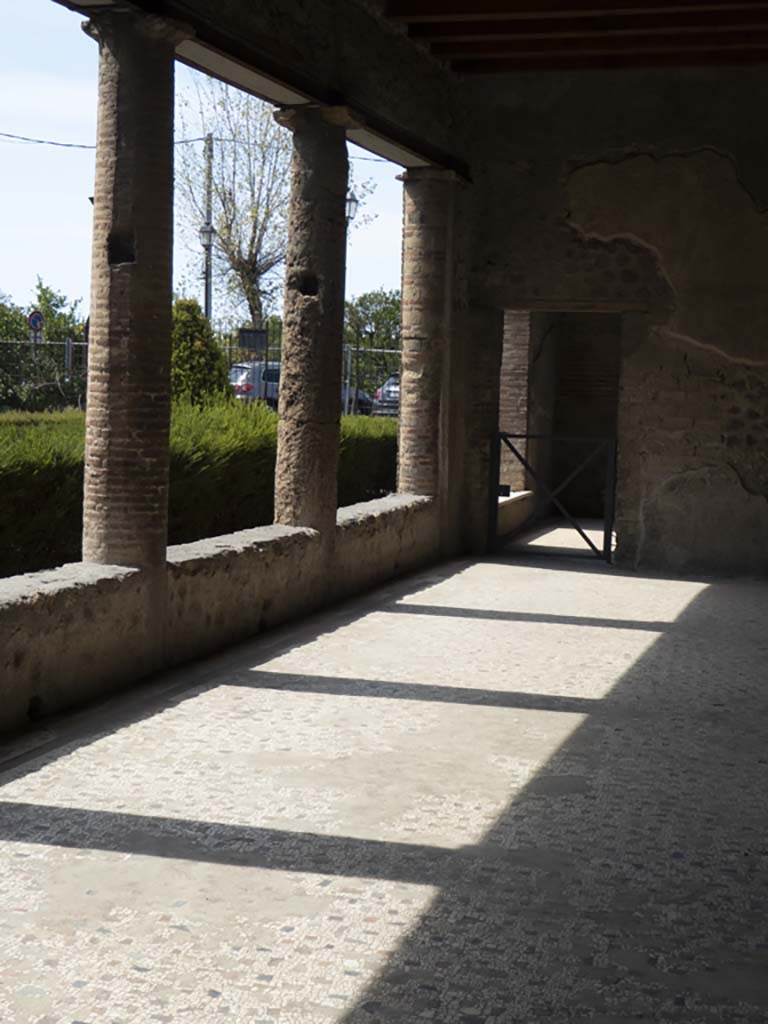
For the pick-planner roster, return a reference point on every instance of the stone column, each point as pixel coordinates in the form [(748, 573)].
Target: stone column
[(428, 266), (125, 510), (310, 375)]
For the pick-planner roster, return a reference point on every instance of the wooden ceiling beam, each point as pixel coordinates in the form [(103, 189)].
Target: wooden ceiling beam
[(414, 11), (600, 45), (597, 62), (573, 28)]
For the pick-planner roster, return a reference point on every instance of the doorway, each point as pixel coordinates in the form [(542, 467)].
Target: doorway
[(559, 406)]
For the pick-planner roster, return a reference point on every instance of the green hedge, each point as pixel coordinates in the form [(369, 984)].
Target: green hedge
[(222, 476)]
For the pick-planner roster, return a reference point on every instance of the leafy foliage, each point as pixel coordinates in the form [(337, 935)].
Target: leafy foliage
[(13, 320), (35, 378), (62, 320), (367, 458), (375, 317), (372, 323), (222, 475), (198, 365)]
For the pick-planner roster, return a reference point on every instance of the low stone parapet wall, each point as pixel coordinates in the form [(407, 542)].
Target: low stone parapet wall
[(377, 540), (82, 631), (513, 512), (69, 635)]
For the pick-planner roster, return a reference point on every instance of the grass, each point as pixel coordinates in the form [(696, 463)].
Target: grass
[(222, 476)]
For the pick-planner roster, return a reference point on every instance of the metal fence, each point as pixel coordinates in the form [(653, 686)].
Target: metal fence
[(42, 375), (364, 369)]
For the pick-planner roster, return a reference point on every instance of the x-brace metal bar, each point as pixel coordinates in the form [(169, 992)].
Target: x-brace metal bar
[(552, 495)]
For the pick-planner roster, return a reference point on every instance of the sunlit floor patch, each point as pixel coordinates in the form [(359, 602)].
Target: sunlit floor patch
[(499, 793)]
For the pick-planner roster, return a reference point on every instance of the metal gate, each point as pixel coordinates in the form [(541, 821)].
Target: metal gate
[(600, 446)]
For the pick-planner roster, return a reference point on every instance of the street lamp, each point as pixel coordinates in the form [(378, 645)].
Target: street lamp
[(350, 207), (350, 212), (207, 235)]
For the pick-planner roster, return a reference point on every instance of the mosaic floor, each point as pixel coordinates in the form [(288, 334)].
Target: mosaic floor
[(489, 794)]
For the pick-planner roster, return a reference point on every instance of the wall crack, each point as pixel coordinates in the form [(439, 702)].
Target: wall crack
[(679, 154)]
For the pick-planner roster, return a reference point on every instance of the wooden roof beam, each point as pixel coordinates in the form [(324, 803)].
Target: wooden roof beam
[(599, 45), (605, 61), (472, 31), (413, 11)]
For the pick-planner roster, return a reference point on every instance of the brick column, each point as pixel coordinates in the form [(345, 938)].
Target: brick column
[(126, 456), (310, 375), (428, 214), (513, 396)]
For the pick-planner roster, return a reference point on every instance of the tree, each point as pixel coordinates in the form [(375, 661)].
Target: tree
[(250, 193), (372, 324), (62, 320), (198, 365), (374, 315), (13, 320), (48, 376), (250, 184)]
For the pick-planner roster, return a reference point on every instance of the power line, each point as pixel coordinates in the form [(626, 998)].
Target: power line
[(75, 145), (177, 142), (44, 142)]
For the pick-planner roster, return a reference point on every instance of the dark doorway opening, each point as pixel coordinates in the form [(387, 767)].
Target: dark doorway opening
[(559, 388)]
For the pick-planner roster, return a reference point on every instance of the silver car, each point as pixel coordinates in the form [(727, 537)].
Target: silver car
[(256, 380), (386, 399)]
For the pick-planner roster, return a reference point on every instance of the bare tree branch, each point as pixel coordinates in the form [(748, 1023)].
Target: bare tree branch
[(251, 175)]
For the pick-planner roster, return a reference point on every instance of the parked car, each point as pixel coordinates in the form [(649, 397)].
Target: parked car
[(256, 380), (364, 401), (386, 399)]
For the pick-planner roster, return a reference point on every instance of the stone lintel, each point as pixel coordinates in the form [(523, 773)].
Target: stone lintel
[(437, 174), (337, 116)]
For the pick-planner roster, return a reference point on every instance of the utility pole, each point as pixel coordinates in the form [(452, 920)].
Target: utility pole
[(207, 230)]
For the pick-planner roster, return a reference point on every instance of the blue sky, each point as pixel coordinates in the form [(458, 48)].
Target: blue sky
[(48, 74)]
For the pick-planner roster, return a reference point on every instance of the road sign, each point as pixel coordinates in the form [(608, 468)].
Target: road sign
[(36, 320)]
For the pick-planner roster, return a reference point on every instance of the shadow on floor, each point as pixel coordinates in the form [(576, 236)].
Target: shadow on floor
[(644, 895), (628, 881)]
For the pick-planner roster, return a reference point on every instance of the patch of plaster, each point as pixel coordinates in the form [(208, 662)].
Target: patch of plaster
[(730, 536), (658, 487), (640, 245), (706, 229)]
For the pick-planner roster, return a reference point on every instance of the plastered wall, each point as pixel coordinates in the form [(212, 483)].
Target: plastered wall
[(645, 193)]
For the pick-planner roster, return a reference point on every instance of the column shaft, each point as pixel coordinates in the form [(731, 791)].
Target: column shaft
[(428, 206), (127, 421), (310, 375)]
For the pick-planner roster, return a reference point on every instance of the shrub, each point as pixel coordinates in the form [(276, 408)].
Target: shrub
[(222, 468), (222, 475), (41, 476), (198, 365), (367, 458), (35, 378)]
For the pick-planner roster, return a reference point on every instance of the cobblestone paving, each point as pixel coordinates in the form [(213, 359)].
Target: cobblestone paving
[(494, 794)]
